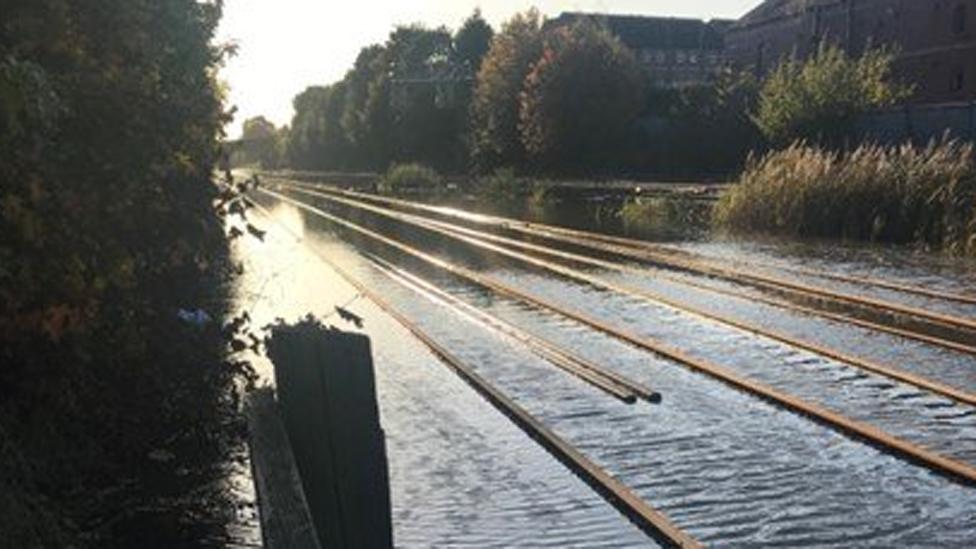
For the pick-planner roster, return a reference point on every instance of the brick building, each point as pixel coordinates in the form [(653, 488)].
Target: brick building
[(935, 40), (676, 52)]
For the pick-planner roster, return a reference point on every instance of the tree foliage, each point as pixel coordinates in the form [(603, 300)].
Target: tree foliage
[(472, 41), (495, 139), (109, 114), (403, 101), (818, 99), (261, 143), (580, 98), (317, 139), (703, 130)]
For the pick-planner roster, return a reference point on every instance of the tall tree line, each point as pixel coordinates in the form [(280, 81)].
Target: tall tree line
[(549, 100), (557, 100), (403, 100)]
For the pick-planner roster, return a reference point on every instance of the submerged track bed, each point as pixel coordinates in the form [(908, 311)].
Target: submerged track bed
[(571, 285)]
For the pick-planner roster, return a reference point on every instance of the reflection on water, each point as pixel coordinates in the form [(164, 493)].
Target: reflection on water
[(661, 218), (731, 469), (461, 473)]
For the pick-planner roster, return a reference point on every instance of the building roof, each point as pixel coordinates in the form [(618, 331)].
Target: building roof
[(774, 9), (648, 33)]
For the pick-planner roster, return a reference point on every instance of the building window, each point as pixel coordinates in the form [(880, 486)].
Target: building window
[(959, 80), (959, 17)]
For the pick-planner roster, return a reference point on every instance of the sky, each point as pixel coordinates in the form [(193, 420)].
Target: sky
[(285, 46)]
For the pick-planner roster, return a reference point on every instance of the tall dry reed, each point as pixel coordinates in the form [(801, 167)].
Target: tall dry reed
[(888, 194)]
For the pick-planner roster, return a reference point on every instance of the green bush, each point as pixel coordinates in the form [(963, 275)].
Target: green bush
[(663, 214), (505, 184), (410, 179), (502, 183), (897, 194), (818, 99)]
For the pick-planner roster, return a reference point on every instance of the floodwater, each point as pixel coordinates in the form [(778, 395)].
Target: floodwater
[(730, 469)]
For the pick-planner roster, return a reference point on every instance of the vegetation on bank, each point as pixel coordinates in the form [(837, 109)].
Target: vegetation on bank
[(819, 99), (410, 178), (891, 194), (504, 184), (825, 185), (665, 215), (117, 417)]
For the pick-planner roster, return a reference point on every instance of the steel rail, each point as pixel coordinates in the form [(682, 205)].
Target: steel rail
[(651, 521), (573, 364), (648, 252), (950, 468), (892, 330), (478, 239), (654, 247), (871, 281)]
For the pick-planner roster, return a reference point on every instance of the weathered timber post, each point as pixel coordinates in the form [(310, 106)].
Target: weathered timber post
[(286, 521), (327, 397)]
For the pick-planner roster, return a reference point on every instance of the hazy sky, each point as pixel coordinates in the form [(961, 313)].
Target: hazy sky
[(287, 45)]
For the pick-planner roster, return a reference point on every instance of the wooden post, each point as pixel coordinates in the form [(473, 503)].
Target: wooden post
[(286, 522), (328, 402)]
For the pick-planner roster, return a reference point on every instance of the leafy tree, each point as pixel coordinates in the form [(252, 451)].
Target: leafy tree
[(258, 128), (427, 112), (261, 143), (317, 139), (472, 41), (495, 137), (580, 98), (818, 99), (387, 109), (366, 117), (705, 130)]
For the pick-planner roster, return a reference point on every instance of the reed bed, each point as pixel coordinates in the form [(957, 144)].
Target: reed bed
[(905, 194)]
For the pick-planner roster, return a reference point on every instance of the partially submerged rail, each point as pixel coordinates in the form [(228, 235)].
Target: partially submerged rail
[(643, 515), (592, 242), (953, 469), (484, 241), (655, 254), (615, 384)]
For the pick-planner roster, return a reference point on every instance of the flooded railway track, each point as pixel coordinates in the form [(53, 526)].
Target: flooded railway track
[(650, 520), (492, 243), (950, 331), (961, 471), (606, 380)]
